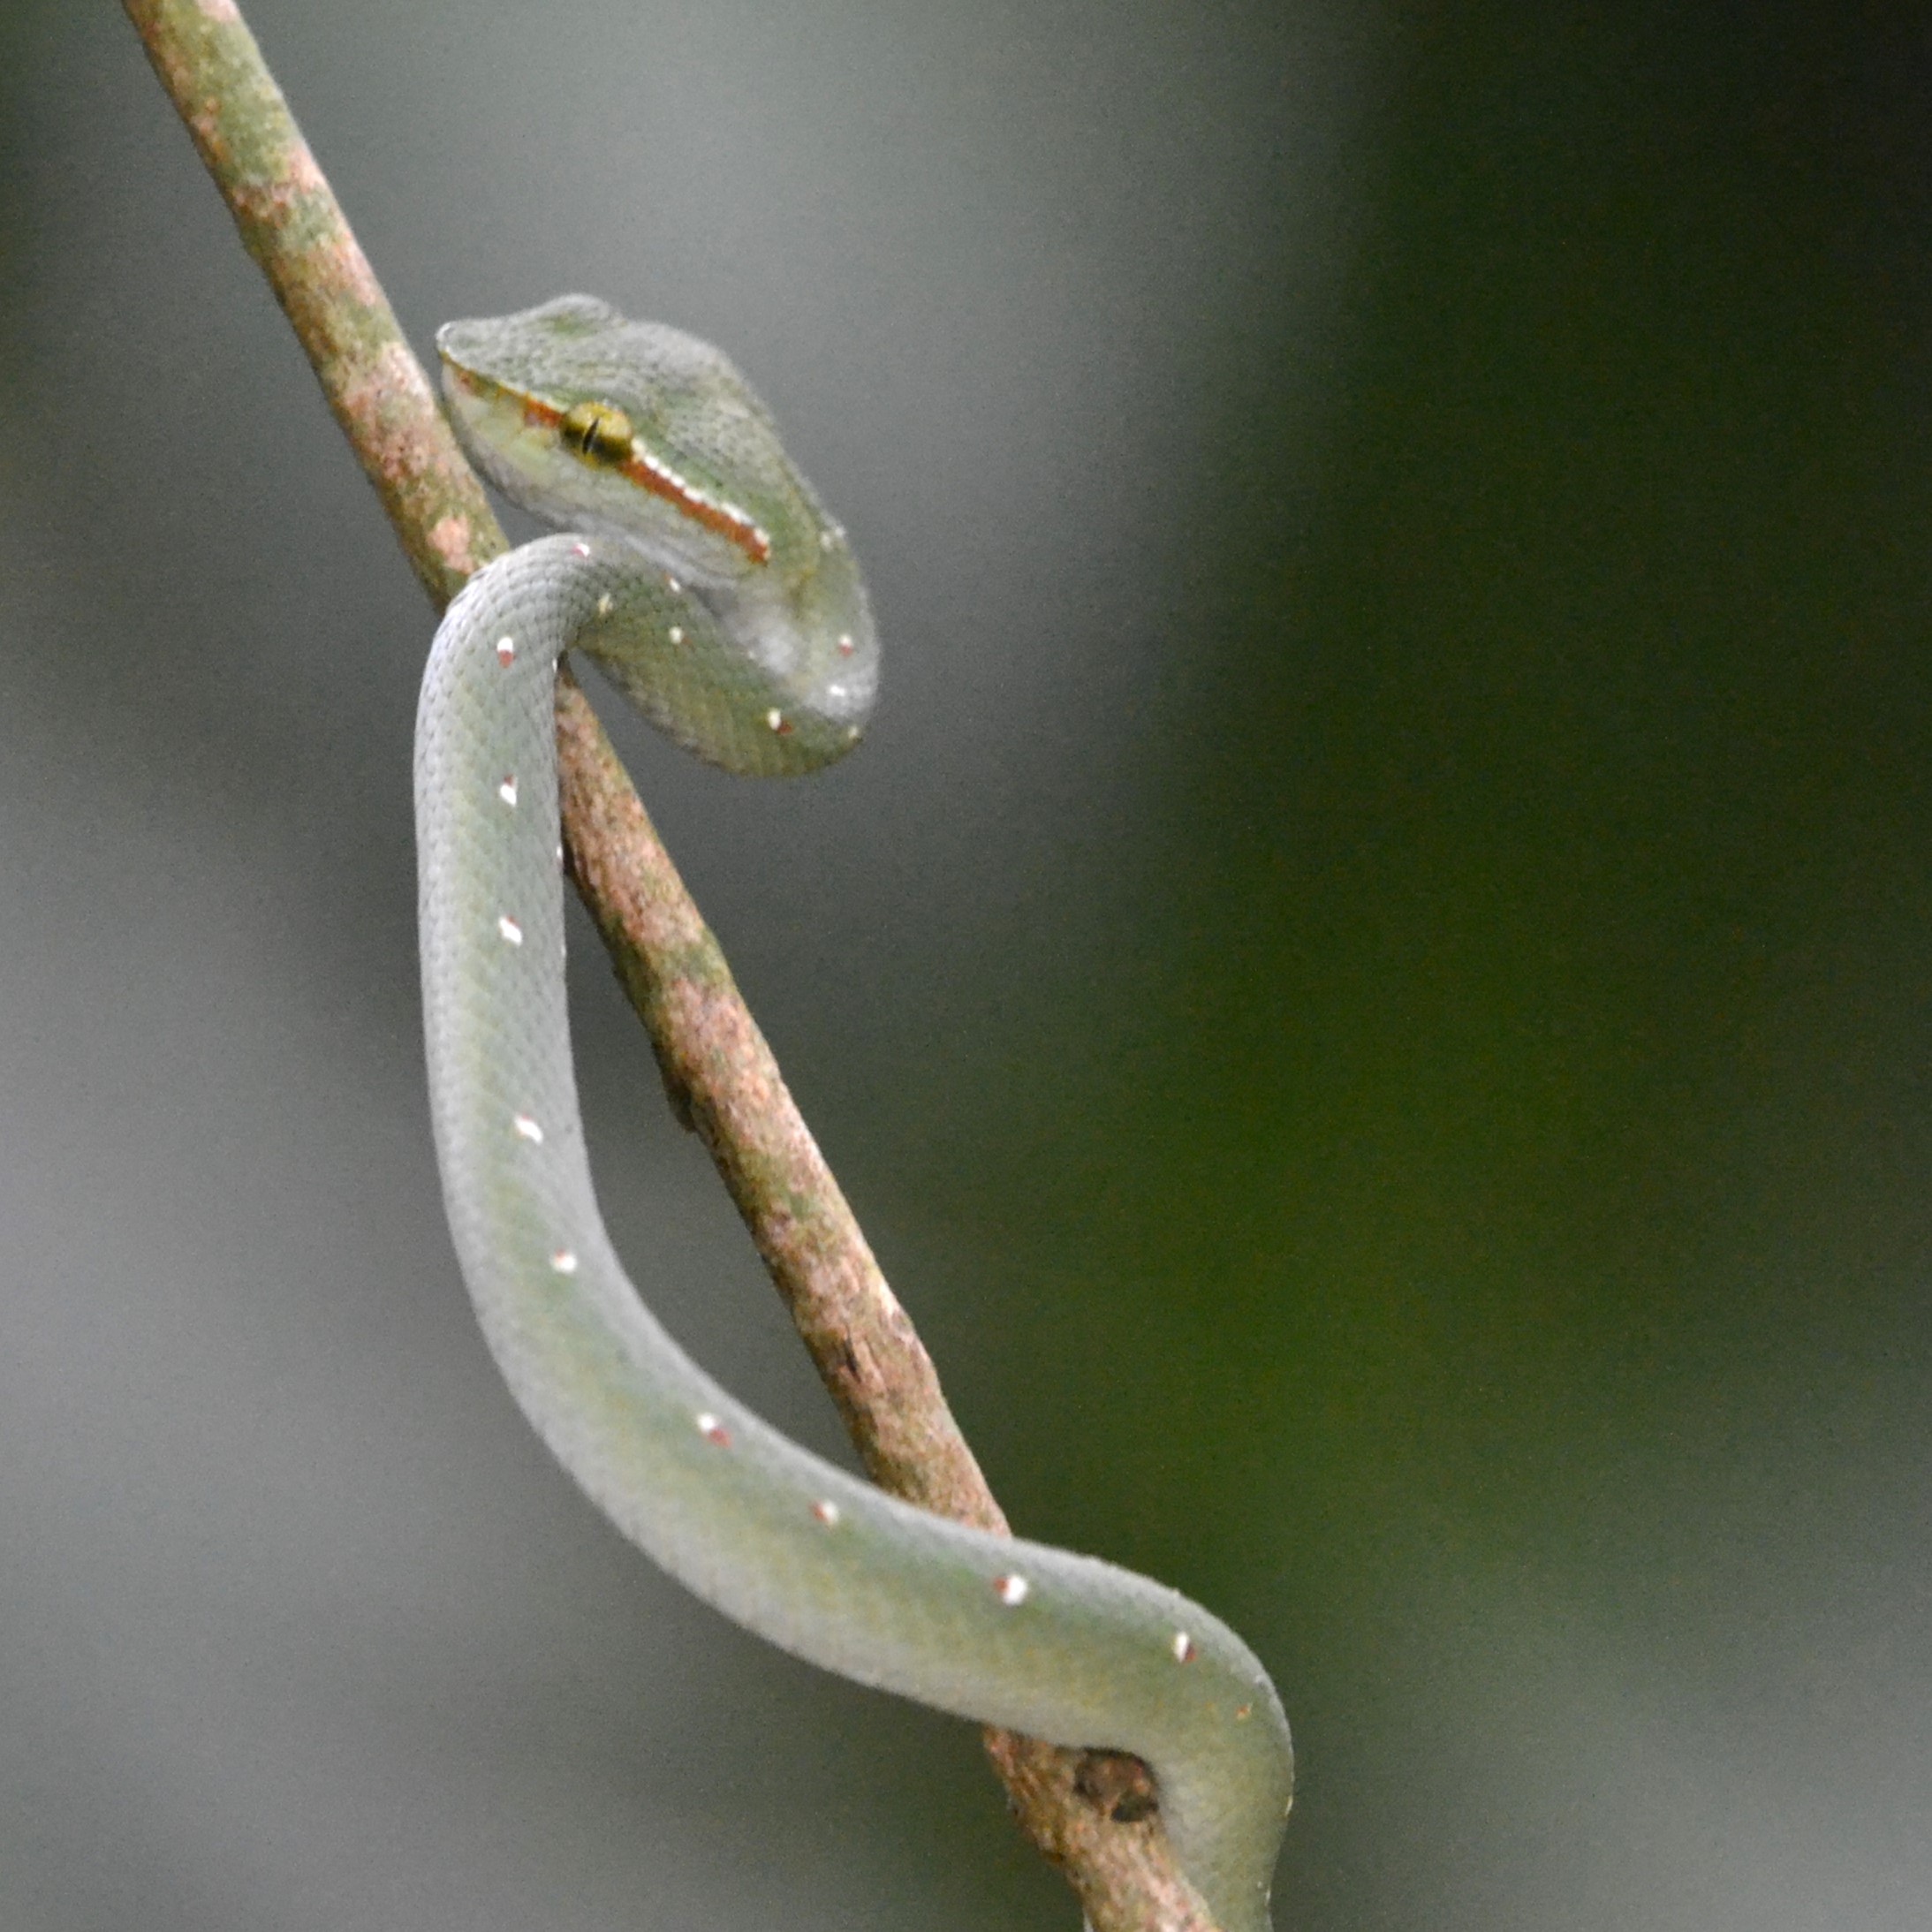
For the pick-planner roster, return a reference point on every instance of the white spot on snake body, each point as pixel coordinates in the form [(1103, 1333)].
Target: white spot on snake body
[(673, 585), (846, 644), (507, 790), (1183, 1647), (580, 550), (563, 1261), (826, 1513), (506, 650), (513, 933), (712, 1430), (1011, 1589), (606, 604), (828, 539), (775, 718), (852, 734), (677, 633), (528, 1129)]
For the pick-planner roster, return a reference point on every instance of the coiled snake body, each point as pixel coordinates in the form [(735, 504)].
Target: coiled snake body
[(703, 575)]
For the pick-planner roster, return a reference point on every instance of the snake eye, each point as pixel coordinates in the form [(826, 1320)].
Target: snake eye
[(598, 432)]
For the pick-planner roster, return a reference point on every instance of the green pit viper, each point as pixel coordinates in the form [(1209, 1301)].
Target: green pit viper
[(699, 570)]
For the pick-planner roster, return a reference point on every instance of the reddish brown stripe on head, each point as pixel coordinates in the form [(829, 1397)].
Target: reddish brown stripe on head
[(649, 474), (643, 470)]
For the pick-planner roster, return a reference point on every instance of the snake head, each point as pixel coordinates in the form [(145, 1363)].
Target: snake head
[(639, 432)]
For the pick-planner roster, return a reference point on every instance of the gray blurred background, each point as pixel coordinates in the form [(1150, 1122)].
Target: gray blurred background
[(1372, 985)]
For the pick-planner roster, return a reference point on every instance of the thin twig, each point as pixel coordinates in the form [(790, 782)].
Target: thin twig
[(1087, 1811)]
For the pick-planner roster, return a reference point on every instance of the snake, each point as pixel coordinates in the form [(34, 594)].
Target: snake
[(694, 564)]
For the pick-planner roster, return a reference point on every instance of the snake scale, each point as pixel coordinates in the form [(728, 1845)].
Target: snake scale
[(699, 570)]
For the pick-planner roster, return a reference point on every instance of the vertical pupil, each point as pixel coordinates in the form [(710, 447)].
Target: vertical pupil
[(596, 429)]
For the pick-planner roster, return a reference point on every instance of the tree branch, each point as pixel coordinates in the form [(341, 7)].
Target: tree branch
[(1087, 1811)]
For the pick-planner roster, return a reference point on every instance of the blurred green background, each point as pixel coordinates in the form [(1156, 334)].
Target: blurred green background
[(1373, 986)]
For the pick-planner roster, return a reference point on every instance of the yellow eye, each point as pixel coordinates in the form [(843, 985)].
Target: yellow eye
[(598, 432)]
